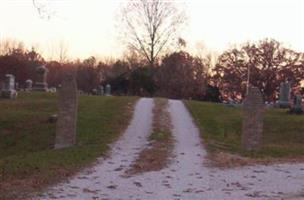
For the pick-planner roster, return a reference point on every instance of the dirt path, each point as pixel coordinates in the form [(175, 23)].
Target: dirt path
[(186, 177)]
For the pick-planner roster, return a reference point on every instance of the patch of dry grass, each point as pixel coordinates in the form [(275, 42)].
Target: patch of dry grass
[(156, 156)]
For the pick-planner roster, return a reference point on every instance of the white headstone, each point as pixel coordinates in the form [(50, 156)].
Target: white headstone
[(9, 91)]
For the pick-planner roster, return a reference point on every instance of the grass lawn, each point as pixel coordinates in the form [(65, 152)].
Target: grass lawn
[(27, 138), (283, 134)]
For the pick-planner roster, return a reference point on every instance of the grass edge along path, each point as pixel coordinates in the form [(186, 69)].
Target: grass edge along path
[(101, 120), (156, 156), (220, 129)]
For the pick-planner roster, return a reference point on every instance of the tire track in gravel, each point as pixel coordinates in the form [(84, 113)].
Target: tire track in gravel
[(186, 178)]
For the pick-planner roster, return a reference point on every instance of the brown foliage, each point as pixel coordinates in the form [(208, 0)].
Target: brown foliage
[(269, 64), (21, 63), (157, 155), (181, 76)]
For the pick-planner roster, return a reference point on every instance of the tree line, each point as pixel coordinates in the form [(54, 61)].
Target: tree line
[(175, 75)]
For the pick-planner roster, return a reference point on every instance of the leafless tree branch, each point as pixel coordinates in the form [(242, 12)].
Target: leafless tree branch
[(150, 25)]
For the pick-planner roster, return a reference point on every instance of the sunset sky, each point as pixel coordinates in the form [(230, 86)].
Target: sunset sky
[(88, 27)]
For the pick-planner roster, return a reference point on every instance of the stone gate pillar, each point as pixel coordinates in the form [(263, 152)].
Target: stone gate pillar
[(253, 112), (67, 111)]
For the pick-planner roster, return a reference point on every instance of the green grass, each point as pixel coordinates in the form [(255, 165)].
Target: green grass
[(27, 139), (283, 134)]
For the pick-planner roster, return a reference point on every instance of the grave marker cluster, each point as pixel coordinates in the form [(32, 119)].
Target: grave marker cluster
[(101, 90)]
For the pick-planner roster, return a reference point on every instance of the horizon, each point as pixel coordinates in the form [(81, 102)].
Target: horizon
[(90, 29)]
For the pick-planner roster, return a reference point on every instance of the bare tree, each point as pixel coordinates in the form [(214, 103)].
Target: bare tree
[(58, 51), (150, 25), (207, 56), (63, 52), (7, 45)]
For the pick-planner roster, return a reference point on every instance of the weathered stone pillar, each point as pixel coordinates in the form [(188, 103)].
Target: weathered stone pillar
[(67, 111), (253, 112)]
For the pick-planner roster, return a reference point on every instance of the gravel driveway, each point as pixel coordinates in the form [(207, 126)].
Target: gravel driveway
[(185, 178)]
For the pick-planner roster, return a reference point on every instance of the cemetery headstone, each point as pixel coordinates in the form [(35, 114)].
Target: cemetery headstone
[(53, 118), (284, 95), (41, 79), (108, 90), (52, 89), (297, 105), (67, 115), (17, 86), (100, 90), (8, 90), (252, 127), (94, 92), (28, 85)]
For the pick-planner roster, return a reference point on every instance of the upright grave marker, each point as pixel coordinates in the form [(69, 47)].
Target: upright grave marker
[(67, 107), (100, 90), (253, 111), (297, 105), (28, 85), (41, 79), (8, 90), (284, 95), (108, 90)]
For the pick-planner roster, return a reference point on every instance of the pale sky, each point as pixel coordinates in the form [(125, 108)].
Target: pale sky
[(87, 27)]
